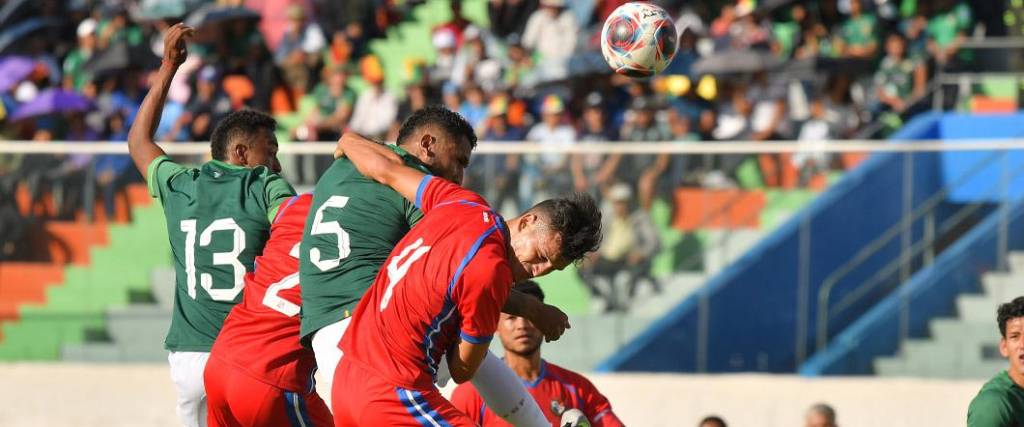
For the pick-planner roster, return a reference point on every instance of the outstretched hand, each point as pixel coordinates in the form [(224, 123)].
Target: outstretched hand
[(175, 46)]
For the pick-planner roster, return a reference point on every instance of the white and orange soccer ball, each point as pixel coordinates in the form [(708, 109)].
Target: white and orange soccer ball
[(638, 39)]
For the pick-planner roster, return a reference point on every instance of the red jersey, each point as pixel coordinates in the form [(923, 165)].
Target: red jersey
[(447, 278), (556, 390), (261, 334)]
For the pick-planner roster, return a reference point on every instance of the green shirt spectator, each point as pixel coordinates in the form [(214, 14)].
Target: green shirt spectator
[(858, 34), (898, 78), (947, 31), (74, 77)]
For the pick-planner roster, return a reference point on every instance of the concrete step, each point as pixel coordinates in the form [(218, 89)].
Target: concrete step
[(976, 308), (161, 281), (946, 329), (111, 353), (1003, 286), (722, 247), (593, 337), (1016, 261), (673, 290), (900, 367), (139, 325)]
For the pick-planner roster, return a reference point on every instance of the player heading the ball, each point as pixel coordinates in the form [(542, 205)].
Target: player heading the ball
[(441, 290)]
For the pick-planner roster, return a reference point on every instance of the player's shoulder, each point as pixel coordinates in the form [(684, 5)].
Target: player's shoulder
[(564, 375)]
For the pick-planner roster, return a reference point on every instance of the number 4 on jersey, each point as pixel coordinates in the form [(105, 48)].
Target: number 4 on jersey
[(399, 266)]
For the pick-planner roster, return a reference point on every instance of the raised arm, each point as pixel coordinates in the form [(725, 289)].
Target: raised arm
[(140, 138), (380, 164)]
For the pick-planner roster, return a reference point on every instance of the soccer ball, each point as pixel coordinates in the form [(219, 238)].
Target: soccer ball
[(638, 39)]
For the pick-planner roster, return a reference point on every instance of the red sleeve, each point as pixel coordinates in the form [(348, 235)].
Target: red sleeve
[(468, 401), (483, 289), (434, 191), (596, 407)]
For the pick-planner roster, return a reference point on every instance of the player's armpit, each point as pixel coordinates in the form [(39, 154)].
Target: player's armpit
[(464, 361)]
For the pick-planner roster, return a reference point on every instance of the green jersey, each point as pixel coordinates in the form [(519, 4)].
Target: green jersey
[(353, 225), (218, 219), (1000, 403)]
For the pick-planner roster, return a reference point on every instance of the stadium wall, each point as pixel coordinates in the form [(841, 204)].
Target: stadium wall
[(759, 293)]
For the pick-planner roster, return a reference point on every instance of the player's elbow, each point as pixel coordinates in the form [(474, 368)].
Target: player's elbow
[(462, 375)]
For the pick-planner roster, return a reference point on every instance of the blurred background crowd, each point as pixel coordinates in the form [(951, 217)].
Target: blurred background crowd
[(518, 70)]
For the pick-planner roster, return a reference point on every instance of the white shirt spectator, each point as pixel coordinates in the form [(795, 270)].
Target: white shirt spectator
[(561, 135), (374, 112), (553, 37)]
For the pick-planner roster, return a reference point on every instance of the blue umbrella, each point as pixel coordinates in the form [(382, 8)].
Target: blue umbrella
[(14, 69), (214, 14), (51, 101), (16, 32)]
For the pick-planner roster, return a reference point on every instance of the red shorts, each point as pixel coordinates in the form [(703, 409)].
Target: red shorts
[(361, 398), (234, 398)]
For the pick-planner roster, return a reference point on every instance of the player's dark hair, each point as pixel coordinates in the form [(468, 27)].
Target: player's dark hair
[(529, 287), (1008, 311), (449, 121), (238, 124), (577, 219), (712, 421), (824, 410)]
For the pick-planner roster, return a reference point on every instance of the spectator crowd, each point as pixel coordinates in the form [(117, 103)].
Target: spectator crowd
[(521, 70)]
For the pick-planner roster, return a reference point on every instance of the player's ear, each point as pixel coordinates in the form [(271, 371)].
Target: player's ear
[(240, 152), (1004, 348), (427, 142)]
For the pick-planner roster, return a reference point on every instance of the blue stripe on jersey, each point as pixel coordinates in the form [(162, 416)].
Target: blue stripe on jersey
[(418, 407), (448, 309), (540, 376), (287, 205), (475, 339), (303, 411), (289, 408), (420, 189)]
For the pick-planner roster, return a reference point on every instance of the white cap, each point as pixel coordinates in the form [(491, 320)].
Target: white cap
[(620, 193), (25, 92), (86, 27), (443, 39)]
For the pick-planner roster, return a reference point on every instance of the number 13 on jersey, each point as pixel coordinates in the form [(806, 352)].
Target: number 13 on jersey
[(230, 258)]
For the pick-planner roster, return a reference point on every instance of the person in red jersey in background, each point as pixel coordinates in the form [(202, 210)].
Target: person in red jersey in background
[(258, 374), (555, 389), (441, 290)]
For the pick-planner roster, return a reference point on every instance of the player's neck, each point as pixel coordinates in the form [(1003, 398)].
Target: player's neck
[(1016, 376), (525, 367)]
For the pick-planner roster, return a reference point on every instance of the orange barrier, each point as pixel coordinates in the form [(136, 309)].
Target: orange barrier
[(697, 208)]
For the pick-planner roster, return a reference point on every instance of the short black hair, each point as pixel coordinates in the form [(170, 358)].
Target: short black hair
[(1008, 311), (577, 219), (713, 419), (449, 121), (238, 124), (529, 287)]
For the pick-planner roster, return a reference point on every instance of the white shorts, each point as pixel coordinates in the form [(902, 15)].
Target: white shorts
[(187, 374), (500, 388)]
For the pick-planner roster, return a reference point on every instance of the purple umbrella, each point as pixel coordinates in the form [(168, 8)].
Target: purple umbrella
[(52, 101), (14, 69)]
